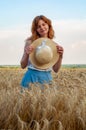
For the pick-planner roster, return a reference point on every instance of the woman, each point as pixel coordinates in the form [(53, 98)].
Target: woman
[(41, 27)]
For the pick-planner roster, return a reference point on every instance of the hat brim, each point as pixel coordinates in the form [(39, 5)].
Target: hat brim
[(49, 43)]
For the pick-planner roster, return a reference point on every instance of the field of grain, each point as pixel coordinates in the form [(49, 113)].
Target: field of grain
[(59, 106)]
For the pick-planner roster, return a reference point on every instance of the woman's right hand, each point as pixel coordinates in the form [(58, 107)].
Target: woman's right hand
[(28, 49)]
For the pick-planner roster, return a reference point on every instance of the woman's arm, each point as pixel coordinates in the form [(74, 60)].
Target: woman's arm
[(24, 60), (57, 65), (27, 50)]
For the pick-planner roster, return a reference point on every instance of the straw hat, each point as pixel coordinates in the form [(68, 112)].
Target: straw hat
[(44, 54)]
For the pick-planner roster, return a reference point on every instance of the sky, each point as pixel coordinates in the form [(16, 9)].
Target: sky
[(68, 19)]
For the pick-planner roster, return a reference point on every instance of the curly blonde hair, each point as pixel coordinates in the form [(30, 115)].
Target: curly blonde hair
[(35, 35)]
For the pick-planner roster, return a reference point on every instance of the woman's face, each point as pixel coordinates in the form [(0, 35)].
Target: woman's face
[(42, 28)]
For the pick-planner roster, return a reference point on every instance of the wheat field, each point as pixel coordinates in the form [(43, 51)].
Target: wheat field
[(58, 106)]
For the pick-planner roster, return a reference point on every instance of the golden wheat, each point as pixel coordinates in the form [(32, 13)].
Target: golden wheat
[(59, 106)]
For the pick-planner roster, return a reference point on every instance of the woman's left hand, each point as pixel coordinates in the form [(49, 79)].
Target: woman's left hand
[(60, 50)]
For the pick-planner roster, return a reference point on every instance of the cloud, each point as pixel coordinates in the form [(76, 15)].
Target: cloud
[(71, 34), (12, 43)]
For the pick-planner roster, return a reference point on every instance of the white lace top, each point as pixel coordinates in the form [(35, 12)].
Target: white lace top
[(33, 67)]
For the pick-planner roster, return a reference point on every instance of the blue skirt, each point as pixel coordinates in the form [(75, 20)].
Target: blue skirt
[(35, 76)]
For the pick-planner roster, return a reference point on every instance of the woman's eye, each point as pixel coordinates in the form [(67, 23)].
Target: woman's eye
[(43, 24), (38, 27)]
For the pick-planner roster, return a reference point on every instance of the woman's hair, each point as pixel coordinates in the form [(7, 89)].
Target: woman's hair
[(35, 35)]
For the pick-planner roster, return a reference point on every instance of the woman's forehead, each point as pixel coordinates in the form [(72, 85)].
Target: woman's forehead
[(41, 21)]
